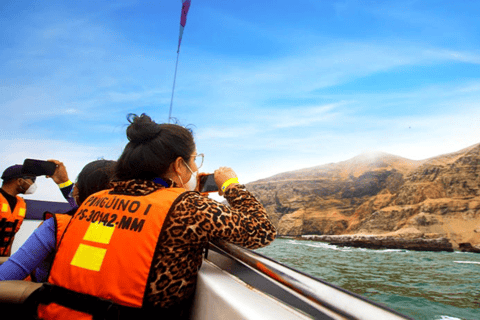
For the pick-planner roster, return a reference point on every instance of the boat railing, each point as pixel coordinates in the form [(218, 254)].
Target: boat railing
[(320, 295)]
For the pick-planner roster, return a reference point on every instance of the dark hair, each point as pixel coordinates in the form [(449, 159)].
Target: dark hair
[(152, 148), (94, 177)]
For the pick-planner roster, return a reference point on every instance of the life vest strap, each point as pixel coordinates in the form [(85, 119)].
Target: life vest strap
[(100, 309)]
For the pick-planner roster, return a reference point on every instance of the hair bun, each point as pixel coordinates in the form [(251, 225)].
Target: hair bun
[(142, 128)]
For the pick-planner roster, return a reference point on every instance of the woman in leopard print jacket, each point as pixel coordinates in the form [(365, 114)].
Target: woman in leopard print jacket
[(160, 156)]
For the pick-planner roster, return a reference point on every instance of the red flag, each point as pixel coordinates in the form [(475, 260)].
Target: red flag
[(183, 20)]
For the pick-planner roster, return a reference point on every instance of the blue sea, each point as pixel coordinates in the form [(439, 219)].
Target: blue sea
[(422, 285)]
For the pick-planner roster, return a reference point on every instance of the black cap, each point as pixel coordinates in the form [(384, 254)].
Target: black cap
[(14, 172)]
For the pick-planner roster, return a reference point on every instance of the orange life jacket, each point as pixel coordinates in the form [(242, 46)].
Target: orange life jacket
[(107, 252), (10, 223), (61, 222)]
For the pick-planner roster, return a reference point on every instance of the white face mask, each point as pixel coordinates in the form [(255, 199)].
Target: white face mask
[(31, 189), (192, 183)]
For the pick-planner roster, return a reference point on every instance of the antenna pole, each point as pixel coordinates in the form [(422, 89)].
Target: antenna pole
[(173, 89)]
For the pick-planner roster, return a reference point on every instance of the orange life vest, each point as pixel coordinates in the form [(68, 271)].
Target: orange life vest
[(61, 222), (10, 222), (107, 251)]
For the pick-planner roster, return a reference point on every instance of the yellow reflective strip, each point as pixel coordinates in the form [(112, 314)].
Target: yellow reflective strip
[(88, 257), (97, 232), (4, 207), (21, 212)]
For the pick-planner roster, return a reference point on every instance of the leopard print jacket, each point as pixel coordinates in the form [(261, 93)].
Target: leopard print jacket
[(193, 221)]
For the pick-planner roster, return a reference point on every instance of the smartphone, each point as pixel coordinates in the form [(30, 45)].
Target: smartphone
[(208, 184), (36, 167)]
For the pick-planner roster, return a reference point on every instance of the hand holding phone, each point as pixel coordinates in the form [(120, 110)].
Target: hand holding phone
[(212, 182)]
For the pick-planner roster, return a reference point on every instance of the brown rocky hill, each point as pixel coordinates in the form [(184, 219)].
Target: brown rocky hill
[(380, 194)]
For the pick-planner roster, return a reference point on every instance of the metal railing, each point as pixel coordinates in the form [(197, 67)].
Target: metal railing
[(315, 292)]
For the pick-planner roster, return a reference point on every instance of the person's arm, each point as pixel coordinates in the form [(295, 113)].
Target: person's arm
[(66, 190), (252, 227), (60, 176), (246, 216), (37, 247), (243, 222)]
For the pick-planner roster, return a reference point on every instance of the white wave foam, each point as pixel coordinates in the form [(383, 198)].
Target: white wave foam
[(325, 245), (390, 250), (293, 242), (448, 318), (471, 262), (322, 245)]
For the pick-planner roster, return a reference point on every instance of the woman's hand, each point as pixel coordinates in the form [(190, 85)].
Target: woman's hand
[(223, 174)]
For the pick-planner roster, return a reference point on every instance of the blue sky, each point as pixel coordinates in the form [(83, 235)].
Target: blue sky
[(267, 87)]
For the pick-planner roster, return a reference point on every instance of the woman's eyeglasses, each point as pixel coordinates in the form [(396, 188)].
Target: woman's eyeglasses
[(199, 160)]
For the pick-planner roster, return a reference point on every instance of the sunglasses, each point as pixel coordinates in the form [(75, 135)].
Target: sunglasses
[(33, 178)]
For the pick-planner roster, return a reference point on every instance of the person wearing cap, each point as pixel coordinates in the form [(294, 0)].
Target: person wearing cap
[(35, 256), (13, 208)]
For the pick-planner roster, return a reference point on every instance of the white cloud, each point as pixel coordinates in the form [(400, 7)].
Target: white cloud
[(302, 116), (226, 132), (231, 82)]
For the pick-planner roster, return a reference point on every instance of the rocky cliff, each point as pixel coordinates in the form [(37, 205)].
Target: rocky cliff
[(380, 194)]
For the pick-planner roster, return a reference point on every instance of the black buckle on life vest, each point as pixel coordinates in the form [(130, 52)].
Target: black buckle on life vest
[(112, 312)]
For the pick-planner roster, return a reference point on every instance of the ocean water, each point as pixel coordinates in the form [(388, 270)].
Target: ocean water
[(422, 285)]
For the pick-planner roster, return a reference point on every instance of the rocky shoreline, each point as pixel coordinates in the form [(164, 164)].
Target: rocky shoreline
[(381, 201), (467, 247), (385, 242)]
